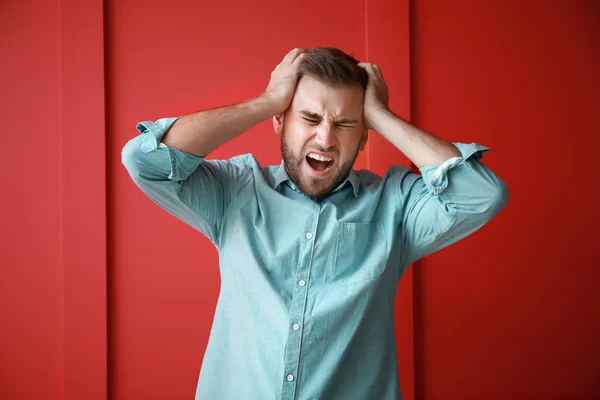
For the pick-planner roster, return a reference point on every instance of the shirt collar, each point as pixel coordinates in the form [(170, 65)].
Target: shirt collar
[(280, 175)]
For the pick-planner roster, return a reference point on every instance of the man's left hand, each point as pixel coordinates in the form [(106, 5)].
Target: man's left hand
[(376, 94)]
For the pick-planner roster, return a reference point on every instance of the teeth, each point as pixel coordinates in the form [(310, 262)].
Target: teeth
[(319, 157)]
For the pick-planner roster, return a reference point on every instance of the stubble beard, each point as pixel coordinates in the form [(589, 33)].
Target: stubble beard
[(316, 189)]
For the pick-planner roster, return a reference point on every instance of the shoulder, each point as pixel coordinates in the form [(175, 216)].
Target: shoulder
[(369, 179), (251, 167), (243, 162), (247, 159)]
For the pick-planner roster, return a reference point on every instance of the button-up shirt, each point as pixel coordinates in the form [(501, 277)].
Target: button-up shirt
[(306, 307)]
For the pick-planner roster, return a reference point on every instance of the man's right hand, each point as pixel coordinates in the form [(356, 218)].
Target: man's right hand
[(283, 81)]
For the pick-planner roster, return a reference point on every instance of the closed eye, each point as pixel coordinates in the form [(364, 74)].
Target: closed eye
[(317, 122), (312, 121)]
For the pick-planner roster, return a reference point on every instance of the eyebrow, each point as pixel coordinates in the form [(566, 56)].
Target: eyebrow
[(313, 115)]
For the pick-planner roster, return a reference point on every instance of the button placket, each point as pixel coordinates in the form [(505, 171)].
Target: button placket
[(298, 304)]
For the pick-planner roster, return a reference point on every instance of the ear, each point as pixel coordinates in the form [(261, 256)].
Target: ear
[(363, 139), (278, 123)]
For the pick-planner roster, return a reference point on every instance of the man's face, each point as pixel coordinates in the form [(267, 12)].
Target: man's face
[(321, 134)]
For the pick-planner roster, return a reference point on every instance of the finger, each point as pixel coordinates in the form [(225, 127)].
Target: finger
[(299, 59), (367, 67), (373, 76), (378, 71), (292, 55)]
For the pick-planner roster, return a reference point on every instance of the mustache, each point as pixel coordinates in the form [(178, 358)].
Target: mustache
[(330, 150)]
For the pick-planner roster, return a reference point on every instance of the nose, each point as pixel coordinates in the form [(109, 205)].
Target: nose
[(325, 136)]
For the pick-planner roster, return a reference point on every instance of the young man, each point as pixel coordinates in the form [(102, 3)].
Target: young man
[(311, 251)]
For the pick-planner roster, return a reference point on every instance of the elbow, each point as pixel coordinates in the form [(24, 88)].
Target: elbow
[(498, 199), (130, 157)]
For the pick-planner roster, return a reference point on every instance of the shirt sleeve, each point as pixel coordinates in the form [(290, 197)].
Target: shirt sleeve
[(195, 190), (448, 201)]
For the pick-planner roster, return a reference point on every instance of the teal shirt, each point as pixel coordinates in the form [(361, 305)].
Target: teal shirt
[(306, 307)]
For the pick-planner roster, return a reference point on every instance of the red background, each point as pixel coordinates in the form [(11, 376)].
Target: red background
[(106, 296)]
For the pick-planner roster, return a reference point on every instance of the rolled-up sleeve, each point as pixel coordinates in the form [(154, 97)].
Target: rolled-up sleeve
[(178, 165), (449, 201), (195, 190)]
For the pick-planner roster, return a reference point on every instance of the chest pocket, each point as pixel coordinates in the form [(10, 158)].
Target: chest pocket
[(361, 252)]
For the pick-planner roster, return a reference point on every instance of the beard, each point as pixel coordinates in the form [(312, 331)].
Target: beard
[(316, 189)]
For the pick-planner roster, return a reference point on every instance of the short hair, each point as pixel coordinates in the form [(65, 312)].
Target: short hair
[(333, 67)]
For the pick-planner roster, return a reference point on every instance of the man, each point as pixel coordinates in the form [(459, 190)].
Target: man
[(311, 251)]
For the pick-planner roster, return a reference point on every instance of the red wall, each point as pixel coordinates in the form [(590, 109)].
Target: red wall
[(511, 312), (106, 296)]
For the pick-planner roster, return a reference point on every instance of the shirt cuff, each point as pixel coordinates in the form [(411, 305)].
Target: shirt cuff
[(154, 132), (436, 175), (182, 164)]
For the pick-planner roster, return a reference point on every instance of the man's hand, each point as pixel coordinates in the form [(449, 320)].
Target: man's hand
[(376, 94), (283, 81)]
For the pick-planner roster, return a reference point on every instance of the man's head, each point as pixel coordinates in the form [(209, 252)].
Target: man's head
[(323, 129)]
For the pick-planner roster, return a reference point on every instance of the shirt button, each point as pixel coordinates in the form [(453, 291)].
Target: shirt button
[(290, 377), (309, 235), (301, 283), (296, 327)]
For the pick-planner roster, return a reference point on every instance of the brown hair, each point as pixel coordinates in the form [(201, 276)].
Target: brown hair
[(332, 67)]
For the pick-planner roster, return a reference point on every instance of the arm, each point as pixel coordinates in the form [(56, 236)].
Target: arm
[(202, 132), (455, 195), (166, 161), (194, 190), (420, 147)]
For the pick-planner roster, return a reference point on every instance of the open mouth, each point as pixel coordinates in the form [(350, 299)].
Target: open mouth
[(319, 163)]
